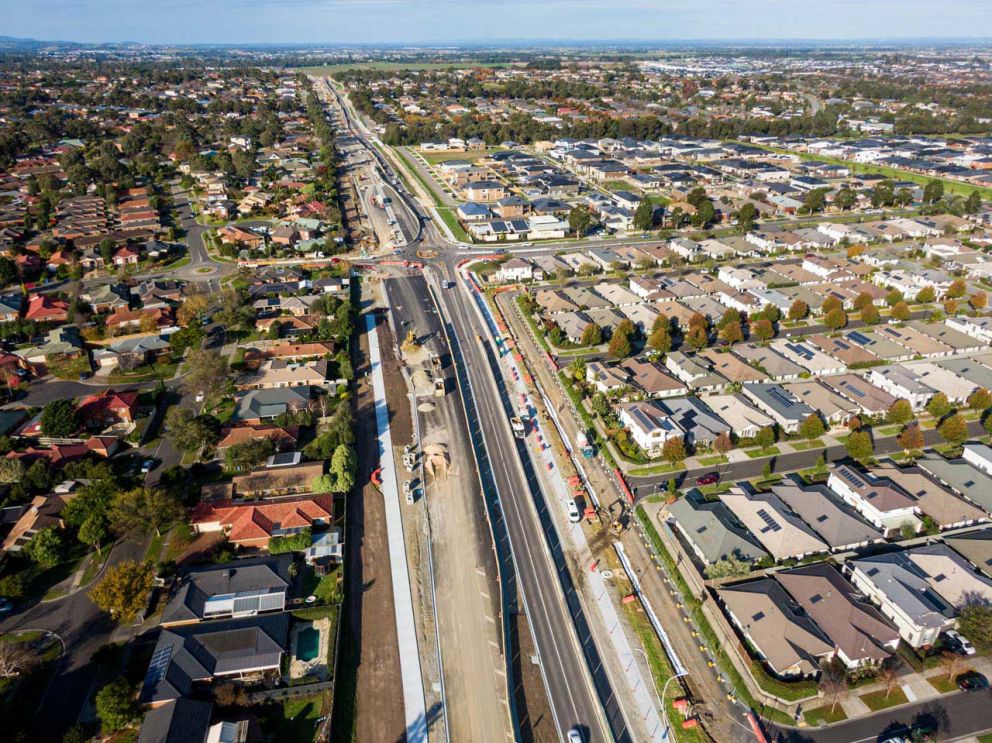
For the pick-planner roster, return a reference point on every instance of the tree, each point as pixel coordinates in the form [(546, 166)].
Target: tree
[(247, 454), (13, 586), (889, 676), (859, 445), (978, 301), (833, 680), (45, 547), (644, 215), (322, 484), (731, 567), (861, 301), (58, 418), (116, 706), (124, 589), (845, 199), (15, 660), (951, 662), (592, 335), (144, 509), (957, 289), (798, 310), (973, 204), (980, 399), (208, 372), (763, 330), (830, 304), (975, 623), (900, 412), (343, 467), (732, 333), (894, 297), (673, 450), (901, 311), (954, 429), (835, 319), (870, 315), (951, 307), (814, 201), (229, 694), (187, 431), (697, 337), (94, 530), (11, 470), (192, 310), (579, 220), (939, 405), (911, 438), (933, 191), (765, 437), (723, 443), (747, 215), (926, 295), (812, 427), (620, 345), (660, 340)]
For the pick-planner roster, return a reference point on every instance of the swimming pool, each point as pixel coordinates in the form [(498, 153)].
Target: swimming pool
[(307, 644)]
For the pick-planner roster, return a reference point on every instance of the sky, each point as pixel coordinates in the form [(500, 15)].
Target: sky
[(451, 21)]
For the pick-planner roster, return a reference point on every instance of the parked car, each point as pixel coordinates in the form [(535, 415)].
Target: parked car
[(972, 681), (959, 643), (575, 736), (710, 478), (147, 466), (200, 396), (5, 607)]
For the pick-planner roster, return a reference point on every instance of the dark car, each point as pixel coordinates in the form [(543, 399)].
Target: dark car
[(972, 681), (710, 478)]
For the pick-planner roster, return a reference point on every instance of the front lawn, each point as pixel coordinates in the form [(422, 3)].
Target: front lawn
[(943, 683), (823, 716), (771, 451), (877, 700), (68, 368)]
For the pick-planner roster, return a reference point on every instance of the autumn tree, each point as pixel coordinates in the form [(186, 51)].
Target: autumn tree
[(954, 429), (939, 405), (592, 335), (901, 311), (124, 589), (798, 310), (697, 338), (620, 342), (723, 443), (900, 412), (812, 427), (833, 680), (957, 289), (192, 309), (732, 333), (926, 295), (763, 330), (660, 340), (978, 301), (673, 450), (980, 399), (911, 438), (835, 319)]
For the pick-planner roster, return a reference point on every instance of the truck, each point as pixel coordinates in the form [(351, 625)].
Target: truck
[(518, 427), (584, 446), (439, 389)]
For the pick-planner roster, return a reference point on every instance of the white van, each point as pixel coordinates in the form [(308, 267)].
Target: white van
[(573, 511)]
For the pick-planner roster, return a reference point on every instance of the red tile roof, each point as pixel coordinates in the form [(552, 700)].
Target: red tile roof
[(257, 520)]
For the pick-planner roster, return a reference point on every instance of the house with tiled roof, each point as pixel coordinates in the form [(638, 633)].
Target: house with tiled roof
[(283, 438), (254, 524), (43, 512), (44, 308), (108, 408)]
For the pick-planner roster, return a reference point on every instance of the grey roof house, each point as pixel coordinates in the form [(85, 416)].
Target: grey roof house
[(711, 529), (834, 521)]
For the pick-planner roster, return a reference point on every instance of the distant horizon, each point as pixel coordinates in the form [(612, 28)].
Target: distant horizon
[(512, 22)]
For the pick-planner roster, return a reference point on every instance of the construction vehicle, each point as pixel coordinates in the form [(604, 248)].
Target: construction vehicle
[(439, 387), (519, 430), (435, 362), (584, 446)]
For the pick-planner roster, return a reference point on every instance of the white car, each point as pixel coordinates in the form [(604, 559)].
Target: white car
[(200, 396), (961, 642), (574, 736), (573, 511)]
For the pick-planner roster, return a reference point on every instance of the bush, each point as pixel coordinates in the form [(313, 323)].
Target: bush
[(294, 543)]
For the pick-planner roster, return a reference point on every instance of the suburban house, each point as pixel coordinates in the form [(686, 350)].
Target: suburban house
[(904, 595), (743, 419), (943, 507), (975, 547), (712, 531), (834, 521), (253, 524), (879, 502), (788, 641), (780, 532), (859, 633), (283, 438), (649, 426), (44, 511), (950, 575), (257, 406), (108, 408), (788, 411), (185, 656), (237, 589), (900, 381)]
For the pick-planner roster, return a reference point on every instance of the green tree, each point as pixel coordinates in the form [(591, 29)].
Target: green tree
[(933, 191), (592, 335), (859, 445), (94, 530), (900, 412), (322, 484), (697, 338), (144, 509), (975, 623), (45, 547), (579, 220), (980, 399), (124, 589), (644, 215), (926, 295), (343, 467), (11, 470), (894, 297), (732, 333), (812, 427), (747, 216), (730, 567), (116, 706), (765, 437), (59, 419), (845, 199), (954, 429), (973, 204), (188, 432), (939, 405), (957, 289), (870, 315), (13, 586), (830, 304), (248, 454)]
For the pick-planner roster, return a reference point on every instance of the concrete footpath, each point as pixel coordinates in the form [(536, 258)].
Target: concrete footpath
[(414, 708)]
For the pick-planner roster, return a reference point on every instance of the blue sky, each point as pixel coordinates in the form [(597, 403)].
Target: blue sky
[(434, 21)]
